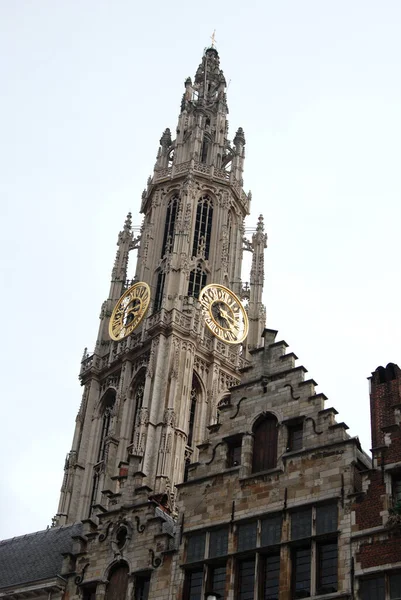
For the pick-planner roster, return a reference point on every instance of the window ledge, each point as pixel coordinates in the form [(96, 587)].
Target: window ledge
[(330, 596), (259, 474)]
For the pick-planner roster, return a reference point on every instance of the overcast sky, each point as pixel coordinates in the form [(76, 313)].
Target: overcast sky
[(87, 87)]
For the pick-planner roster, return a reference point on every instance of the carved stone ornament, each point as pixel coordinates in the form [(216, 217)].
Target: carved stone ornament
[(143, 416), (79, 578), (155, 561), (121, 535), (140, 528), (169, 417)]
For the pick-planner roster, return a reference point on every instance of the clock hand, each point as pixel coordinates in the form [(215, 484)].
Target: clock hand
[(226, 316)]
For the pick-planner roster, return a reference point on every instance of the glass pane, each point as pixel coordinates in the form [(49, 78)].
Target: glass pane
[(246, 536), (218, 581), (234, 455), (271, 531), (397, 489), (295, 437), (301, 572), (246, 579), (196, 547), (301, 523), (194, 585), (142, 588), (372, 589), (272, 577), (218, 542), (395, 586), (327, 568), (326, 518)]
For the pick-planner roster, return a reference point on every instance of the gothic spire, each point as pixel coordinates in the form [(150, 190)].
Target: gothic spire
[(256, 309)]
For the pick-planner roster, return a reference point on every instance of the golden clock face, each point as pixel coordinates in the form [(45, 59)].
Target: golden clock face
[(129, 311), (224, 314)]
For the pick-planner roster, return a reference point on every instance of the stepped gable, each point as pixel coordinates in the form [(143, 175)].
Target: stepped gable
[(322, 463), (36, 556), (274, 384)]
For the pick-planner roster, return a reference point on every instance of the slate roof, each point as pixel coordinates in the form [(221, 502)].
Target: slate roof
[(35, 556)]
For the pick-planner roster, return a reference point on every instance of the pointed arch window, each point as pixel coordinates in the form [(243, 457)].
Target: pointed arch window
[(95, 487), (108, 405), (197, 281), (139, 388), (159, 291), (265, 444), (186, 468), (195, 395), (118, 583), (203, 227), (204, 151), (229, 230), (168, 236)]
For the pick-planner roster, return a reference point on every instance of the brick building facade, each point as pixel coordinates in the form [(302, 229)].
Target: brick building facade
[(376, 527)]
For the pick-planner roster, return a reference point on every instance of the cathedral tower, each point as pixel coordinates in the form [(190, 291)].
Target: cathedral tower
[(149, 398)]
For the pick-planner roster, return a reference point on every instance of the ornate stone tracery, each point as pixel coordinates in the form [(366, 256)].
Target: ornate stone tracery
[(168, 376)]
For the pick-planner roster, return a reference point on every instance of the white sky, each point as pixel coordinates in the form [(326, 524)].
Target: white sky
[(87, 87)]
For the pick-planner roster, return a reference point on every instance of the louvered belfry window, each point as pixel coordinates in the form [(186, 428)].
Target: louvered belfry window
[(108, 405), (161, 277), (197, 281), (138, 400), (265, 444), (203, 227), (168, 237), (192, 411)]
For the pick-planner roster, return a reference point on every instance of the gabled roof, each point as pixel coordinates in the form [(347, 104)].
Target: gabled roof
[(35, 556)]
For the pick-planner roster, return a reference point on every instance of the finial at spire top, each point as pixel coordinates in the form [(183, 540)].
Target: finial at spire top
[(213, 38), (128, 222), (260, 226)]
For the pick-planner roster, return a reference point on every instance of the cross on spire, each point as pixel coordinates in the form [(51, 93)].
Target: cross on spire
[(213, 38)]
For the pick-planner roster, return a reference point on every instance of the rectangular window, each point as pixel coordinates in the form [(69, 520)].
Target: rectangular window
[(295, 437), (142, 585), (89, 592), (246, 536), (218, 542), (196, 547), (395, 586), (193, 585), (326, 518), (234, 454), (397, 489), (271, 531), (372, 589), (327, 556), (301, 524), (246, 579), (271, 578), (301, 570), (217, 580)]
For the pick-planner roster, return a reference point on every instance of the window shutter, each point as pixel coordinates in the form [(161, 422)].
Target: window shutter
[(265, 445)]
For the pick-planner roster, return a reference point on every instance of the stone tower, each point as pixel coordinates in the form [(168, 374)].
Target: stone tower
[(148, 399)]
